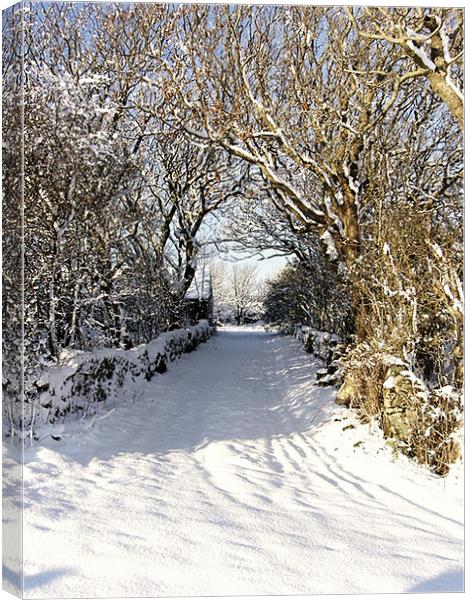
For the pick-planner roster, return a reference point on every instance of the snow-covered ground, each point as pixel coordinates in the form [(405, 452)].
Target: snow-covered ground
[(233, 474)]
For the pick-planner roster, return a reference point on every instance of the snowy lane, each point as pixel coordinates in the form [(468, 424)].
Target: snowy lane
[(233, 474)]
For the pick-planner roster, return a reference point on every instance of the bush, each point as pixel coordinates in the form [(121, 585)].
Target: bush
[(316, 294), (424, 421)]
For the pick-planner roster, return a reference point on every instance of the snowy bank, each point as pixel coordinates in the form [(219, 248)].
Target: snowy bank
[(423, 420), (82, 381)]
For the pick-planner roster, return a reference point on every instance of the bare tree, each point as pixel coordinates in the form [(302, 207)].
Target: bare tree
[(314, 158), (430, 40), (238, 289)]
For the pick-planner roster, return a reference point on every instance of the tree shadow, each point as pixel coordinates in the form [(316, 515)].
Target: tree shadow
[(449, 581), (13, 578), (44, 577)]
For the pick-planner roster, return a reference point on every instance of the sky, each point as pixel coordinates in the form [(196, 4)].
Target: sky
[(265, 269)]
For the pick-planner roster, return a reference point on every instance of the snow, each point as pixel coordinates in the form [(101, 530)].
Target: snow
[(331, 214), (390, 383), (445, 44), (421, 54), (453, 87), (330, 245), (234, 474)]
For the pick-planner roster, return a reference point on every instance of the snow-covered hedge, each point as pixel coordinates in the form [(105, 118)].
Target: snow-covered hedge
[(320, 343), (329, 347), (82, 380)]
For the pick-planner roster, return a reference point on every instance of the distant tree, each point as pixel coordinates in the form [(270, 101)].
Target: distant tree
[(237, 289)]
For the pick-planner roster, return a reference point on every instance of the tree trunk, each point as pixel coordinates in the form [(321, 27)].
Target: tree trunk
[(447, 93)]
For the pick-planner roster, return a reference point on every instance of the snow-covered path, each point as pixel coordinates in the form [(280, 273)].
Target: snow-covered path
[(233, 474)]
